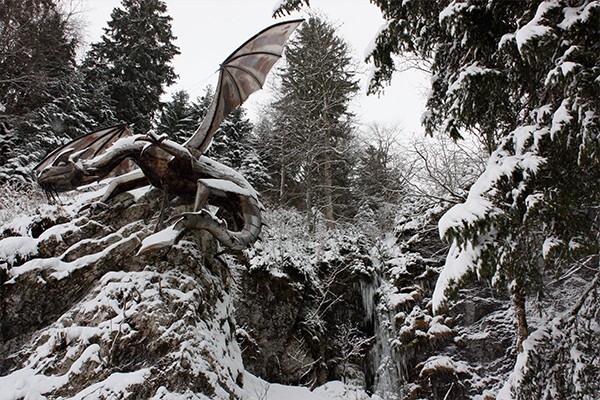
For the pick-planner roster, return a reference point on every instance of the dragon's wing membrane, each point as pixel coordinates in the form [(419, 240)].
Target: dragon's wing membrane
[(242, 73), (85, 147)]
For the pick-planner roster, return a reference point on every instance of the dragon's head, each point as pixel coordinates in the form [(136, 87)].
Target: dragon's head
[(61, 177)]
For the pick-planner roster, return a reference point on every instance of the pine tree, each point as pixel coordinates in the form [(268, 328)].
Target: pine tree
[(136, 51), (522, 76), (37, 53), (40, 96), (178, 118), (230, 144), (312, 118)]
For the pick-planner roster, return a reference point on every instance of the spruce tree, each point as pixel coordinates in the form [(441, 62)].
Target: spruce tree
[(522, 76), (136, 51), (178, 118), (37, 54), (40, 91), (230, 145), (312, 117)]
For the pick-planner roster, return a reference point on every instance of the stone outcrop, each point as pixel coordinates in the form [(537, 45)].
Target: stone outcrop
[(82, 314)]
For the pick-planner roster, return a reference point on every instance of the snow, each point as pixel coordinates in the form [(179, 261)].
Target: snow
[(140, 192), (506, 38), (258, 389), (560, 118), (27, 384), (574, 15), (437, 328), (227, 186), (458, 262), (535, 27), (163, 238), (562, 69), (446, 363), (391, 299), (13, 248), (501, 164), (517, 374), (123, 143), (549, 244), (451, 9), (467, 72), (57, 231), (63, 269), (223, 172), (115, 386), (277, 5), (467, 214), (370, 48)]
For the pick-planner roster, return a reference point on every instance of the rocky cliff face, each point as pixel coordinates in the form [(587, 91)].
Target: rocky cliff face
[(306, 324), (83, 316)]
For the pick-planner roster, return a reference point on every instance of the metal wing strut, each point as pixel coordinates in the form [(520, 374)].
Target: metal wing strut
[(85, 147), (242, 73)]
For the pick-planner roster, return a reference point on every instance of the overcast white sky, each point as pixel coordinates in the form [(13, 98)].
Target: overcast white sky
[(207, 31)]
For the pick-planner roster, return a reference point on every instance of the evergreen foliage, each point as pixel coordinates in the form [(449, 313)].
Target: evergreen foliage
[(522, 77), (230, 144), (39, 86), (311, 121), (179, 118), (528, 89), (136, 51), (560, 359), (37, 54)]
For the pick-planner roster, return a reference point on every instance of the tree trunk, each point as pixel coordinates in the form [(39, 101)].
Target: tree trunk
[(328, 193), (518, 298), (310, 221), (282, 183)]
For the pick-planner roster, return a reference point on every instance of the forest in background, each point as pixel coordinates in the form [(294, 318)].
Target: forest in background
[(510, 171)]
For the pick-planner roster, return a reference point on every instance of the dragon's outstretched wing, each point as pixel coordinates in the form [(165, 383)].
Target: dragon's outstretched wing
[(86, 147), (242, 73)]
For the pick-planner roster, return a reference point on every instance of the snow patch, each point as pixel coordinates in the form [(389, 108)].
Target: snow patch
[(549, 244), (63, 269), (14, 248), (115, 386), (227, 186), (450, 10), (445, 363), (466, 73), (259, 389), (535, 27), (370, 48), (458, 262), (164, 238), (574, 15), (560, 118)]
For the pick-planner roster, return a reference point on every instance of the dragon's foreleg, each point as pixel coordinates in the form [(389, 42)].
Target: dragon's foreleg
[(171, 147), (202, 219), (132, 180)]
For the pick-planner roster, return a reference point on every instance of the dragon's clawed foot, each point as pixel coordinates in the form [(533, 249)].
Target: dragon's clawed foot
[(162, 239), (171, 235)]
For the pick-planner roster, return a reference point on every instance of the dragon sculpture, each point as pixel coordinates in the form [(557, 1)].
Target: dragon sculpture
[(182, 170)]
